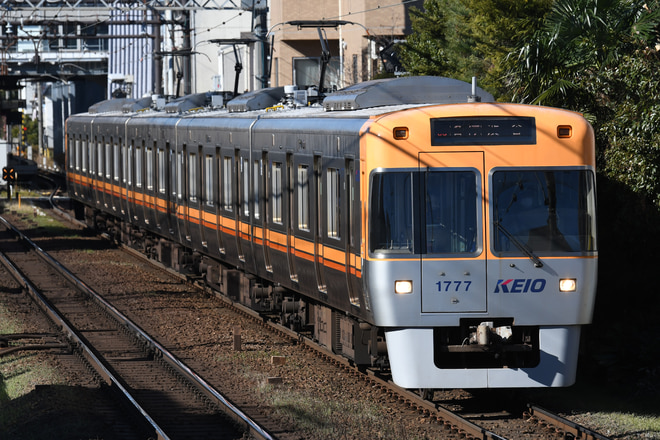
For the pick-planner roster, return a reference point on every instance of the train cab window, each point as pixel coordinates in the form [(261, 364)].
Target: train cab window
[(162, 172), (333, 202), (431, 212), (209, 179), (303, 197), (391, 213), (227, 199), (543, 211), (450, 206), (276, 192)]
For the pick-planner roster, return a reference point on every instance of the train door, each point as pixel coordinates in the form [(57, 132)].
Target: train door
[(217, 183), (263, 187), (353, 260), (318, 223), (194, 216), (453, 264), (140, 186), (118, 176), (176, 200), (169, 191), (183, 193), (241, 203)]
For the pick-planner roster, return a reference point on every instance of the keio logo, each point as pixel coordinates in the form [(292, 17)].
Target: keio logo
[(520, 285)]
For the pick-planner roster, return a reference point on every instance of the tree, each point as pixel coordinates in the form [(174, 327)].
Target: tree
[(578, 39), (466, 38)]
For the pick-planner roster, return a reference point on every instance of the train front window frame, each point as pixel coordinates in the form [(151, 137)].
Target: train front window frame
[(543, 211), (431, 212)]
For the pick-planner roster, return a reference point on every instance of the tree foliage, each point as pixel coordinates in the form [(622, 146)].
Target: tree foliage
[(598, 57), (466, 38)]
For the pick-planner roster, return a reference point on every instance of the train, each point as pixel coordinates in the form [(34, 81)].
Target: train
[(410, 224)]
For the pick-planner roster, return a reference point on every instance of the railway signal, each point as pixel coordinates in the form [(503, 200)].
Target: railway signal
[(9, 175)]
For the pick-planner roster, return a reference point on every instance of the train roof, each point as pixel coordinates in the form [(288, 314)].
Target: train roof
[(357, 101)]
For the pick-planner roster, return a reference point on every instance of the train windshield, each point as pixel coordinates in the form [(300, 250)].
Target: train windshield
[(543, 211), (428, 212)]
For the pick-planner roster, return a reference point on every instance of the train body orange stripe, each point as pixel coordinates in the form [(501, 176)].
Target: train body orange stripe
[(302, 248)]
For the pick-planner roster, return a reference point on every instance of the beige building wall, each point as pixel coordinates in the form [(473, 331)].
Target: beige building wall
[(354, 47)]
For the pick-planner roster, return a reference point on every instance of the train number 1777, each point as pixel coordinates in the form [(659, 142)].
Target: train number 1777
[(453, 286)]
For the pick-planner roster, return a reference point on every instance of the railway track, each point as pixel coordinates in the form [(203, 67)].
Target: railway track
[(451, 423), (170, 397)]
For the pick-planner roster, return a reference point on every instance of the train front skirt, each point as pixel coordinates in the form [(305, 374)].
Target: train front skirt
[(411, 355)]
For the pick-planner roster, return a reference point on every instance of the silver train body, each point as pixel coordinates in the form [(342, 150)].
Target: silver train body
[(453, 242)]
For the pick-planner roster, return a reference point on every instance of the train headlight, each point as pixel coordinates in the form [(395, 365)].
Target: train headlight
[(402, 287), (567, 285)]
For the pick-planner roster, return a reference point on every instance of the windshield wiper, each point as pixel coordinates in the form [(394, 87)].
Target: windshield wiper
[(520, 245)]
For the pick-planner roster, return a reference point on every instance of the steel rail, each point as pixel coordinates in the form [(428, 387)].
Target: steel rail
[(55, 316), (239, 416), (563, 424)]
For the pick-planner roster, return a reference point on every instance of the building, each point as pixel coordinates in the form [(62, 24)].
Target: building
[(66, 55)]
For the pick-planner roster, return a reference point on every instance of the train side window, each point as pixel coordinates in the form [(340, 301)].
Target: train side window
[(227, 198), (245, 172), (192, 177), (179, 175), (150, 169), (78, 153), (129, 165), (303, 197), (208, 195), (256, 174), (108, 160), (99, 159), (333, 203), (115, 160), (162, 173), (138, 167), (124, 164), (276, 192), (84, 156)]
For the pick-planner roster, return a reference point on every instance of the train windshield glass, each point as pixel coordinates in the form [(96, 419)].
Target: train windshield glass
[(543, 211), (431, 212)]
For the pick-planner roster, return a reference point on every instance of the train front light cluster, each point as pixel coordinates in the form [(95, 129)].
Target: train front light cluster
[(402, 287), (567, 285)]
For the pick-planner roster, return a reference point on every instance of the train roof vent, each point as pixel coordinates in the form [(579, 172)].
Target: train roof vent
[(118, 105), (403, 90), (256, 100), (139, 104), (186, 103)]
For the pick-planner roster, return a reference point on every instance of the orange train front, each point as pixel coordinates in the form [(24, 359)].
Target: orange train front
[(395, 222)]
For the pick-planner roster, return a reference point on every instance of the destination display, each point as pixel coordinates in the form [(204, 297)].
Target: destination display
[(486, 130)]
